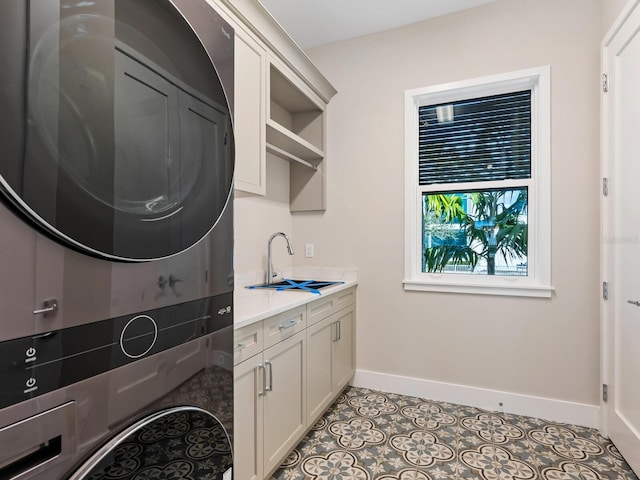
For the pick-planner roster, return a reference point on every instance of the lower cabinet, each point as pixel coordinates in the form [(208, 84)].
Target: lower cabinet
[(284, 399), (330, 360), (247, 420), (343, 360), (286, 375)]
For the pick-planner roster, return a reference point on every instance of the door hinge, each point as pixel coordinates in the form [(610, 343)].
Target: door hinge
[(605, 82), (605, 186), (605, 290), (605, 392)]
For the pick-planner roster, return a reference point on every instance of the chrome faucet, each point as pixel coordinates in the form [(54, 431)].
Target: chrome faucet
[(270, 272)]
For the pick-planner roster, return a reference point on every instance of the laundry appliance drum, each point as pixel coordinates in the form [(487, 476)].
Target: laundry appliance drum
[(118, 135), (180, 442), (116, 331), (111, 415)]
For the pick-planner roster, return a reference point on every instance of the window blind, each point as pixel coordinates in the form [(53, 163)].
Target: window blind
[(480, 139)]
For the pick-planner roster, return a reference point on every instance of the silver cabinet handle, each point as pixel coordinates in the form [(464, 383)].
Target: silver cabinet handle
[(634, 302), (49, 306), (269, 387), (338, 331), (262, 392), (288, 325), (335, 331), (240, 346)]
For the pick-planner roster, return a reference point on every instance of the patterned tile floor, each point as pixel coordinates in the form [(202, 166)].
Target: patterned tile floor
[(368, 435)]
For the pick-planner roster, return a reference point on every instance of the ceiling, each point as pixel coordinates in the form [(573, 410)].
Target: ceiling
[(312, 23)]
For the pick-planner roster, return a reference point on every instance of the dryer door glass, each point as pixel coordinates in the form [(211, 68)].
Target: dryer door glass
[(181, 442), (121, 141)]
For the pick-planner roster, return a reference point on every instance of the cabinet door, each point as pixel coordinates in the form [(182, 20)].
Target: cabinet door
[(343, 365), (320, 338), (247, 420), (285, 399), (250, 105)]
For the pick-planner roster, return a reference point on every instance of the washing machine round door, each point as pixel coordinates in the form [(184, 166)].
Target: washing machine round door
[(119, 139), (181, 442)]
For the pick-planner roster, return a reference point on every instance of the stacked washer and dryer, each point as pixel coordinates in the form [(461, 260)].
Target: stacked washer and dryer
[(116, 240)]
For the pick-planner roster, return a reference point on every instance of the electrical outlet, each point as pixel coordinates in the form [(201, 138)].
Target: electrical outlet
[(308, 250)]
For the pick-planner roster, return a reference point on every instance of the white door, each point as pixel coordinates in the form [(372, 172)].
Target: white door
[(621, 228)]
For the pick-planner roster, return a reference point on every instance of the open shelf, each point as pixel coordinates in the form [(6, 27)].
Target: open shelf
[(287, 141), (296, 121), (287, 156), (295, 131)]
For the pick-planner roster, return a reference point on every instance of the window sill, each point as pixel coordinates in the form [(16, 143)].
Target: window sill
[(493, 288)]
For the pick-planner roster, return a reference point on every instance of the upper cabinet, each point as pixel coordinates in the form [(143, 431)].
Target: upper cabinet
[(280, 105), (250, 99)]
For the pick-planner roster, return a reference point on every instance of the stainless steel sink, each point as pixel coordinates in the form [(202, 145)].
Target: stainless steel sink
[(313, 286)]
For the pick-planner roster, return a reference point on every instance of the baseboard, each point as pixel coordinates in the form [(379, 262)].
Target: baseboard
[(545, 408)]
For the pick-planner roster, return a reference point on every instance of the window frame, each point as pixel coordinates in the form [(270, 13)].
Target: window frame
[(538, 281)]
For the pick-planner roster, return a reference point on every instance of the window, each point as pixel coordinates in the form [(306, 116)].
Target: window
[(478, 186)]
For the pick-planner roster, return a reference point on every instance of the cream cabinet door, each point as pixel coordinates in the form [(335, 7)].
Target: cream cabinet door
[(344, 363), (285, 399), (320, 338), (249, 118), (330, 360), (247, 420)]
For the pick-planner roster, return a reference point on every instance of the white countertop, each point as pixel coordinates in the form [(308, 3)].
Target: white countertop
[(253, 305)]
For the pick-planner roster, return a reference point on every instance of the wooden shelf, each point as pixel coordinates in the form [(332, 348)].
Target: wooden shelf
[(295, 146), (287, 156)]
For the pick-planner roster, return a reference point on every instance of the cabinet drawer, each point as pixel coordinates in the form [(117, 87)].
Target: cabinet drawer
[(284, 325), (247, 342), (323, 307)]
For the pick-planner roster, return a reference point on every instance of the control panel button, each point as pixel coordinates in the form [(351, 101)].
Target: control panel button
[(31, 382), (31, 352), (138, 336)]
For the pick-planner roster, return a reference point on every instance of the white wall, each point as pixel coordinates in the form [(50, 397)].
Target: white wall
[(540, 347), (257, 217)]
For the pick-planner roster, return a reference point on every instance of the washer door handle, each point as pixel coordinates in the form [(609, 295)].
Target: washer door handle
[(48, 306)]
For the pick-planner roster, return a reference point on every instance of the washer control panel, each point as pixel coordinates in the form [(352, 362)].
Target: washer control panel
[(138, 336), (32, 366)]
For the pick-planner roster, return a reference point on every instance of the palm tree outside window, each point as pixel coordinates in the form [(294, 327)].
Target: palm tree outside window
[(465, 147)]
